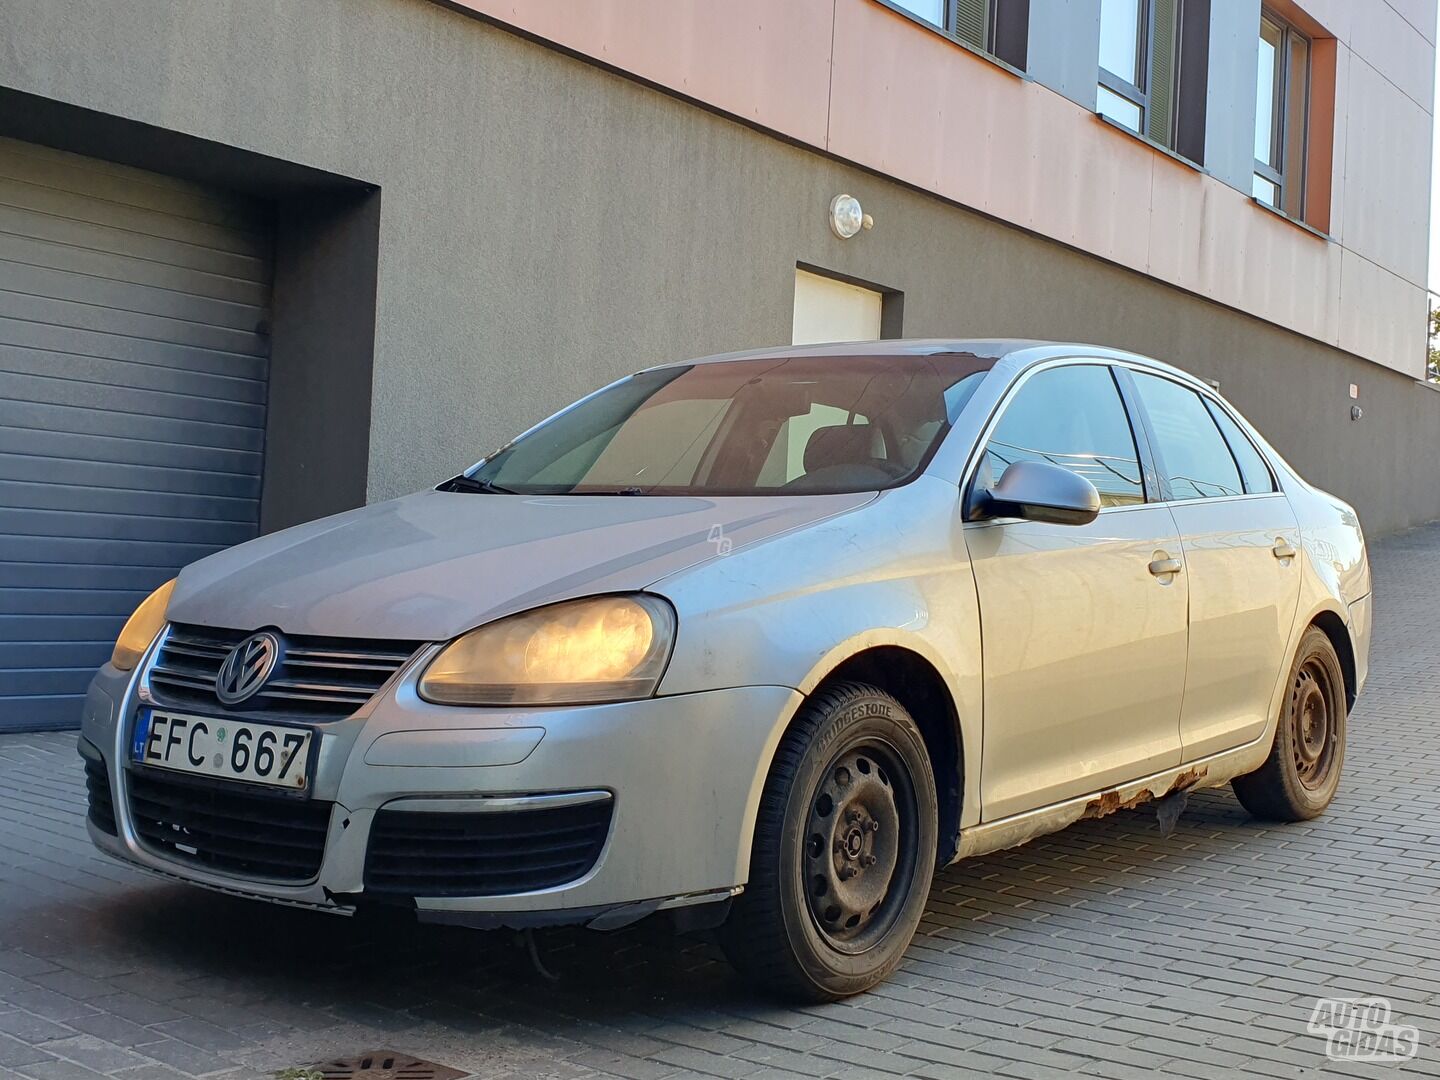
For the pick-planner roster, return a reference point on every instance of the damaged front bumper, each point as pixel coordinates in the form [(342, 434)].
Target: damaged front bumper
[(664, 791)]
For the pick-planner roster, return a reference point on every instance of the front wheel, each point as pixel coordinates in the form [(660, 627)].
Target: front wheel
[(1300, 776), (844, 849)]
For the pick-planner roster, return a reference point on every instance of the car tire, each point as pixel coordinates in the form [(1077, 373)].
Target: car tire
[(844, 850), (1300, 776)]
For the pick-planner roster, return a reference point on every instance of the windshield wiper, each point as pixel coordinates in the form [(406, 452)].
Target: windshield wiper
[(472, 484)]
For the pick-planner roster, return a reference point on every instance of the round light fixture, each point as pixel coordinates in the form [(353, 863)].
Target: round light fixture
[(846, 216)]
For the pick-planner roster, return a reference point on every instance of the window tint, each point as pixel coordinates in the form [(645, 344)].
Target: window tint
[(791, 424), (1195, 457), (1073, 417), (1253, 469)]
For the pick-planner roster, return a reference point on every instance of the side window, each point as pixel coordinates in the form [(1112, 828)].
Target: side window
[(1253, 469), (1073, 417), (1195, 457)]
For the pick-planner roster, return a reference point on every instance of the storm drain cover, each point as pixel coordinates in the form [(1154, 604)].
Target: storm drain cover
[(385, 1065)]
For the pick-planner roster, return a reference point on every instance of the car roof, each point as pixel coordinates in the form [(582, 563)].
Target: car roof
[(992, 348), (1018, 353)]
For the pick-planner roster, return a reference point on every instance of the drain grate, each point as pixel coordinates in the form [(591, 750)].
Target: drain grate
[(384, 1065)]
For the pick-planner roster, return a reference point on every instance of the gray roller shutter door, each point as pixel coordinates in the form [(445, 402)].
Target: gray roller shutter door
[(133, 372)]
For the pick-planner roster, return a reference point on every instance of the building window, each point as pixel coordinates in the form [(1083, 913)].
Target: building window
[(1282, 101), (932, 11), (998, 27), (1120, 96), (1139, 64)]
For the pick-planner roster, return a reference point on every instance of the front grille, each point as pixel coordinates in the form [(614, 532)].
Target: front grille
[(97, 790), (489, 853), (318, 677), (230, 829)]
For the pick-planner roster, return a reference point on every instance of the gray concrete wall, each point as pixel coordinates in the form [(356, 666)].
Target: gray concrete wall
[(317, 428), (547, 226)]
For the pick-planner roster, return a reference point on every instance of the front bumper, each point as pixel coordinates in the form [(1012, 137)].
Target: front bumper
[(1361, 622), (684, 775)]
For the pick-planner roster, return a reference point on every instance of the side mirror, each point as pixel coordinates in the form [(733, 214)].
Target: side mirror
[(1039, 491)]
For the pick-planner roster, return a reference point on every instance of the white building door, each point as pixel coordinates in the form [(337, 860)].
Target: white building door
[(829, 310)]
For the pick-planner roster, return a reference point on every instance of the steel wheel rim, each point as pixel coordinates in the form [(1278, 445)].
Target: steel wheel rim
[(1314, 724), (860, 843)]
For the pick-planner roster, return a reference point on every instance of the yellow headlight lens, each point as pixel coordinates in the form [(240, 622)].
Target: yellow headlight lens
[(141, 628), (607, 648)]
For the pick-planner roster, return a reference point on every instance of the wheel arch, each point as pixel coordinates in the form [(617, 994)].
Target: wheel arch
[(1333, 627), (915, 682)]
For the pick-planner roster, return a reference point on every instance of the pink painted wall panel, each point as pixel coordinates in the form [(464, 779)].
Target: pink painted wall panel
[(1419, 14), (1379, 313), (1289, 276), (916, 106), (1400, 51), (1214, 240), (763, 60), (1387, 156), (1109, 203)]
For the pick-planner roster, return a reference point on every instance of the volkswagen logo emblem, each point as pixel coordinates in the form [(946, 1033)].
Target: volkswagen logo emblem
[(247, 668)]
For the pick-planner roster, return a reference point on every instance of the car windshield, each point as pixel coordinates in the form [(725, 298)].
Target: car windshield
[(791, 425)]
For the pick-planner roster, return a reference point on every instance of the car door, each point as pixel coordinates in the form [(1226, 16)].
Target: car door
[(1240, 539), (1082, 627)]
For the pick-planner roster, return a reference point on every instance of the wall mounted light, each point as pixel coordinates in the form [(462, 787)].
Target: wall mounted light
[(847, 218)]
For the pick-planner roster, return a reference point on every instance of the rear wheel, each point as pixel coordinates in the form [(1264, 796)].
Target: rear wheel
[(1300, 776), (844, 849)]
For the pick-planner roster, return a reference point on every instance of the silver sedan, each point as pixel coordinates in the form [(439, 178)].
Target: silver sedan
[(760, 640)]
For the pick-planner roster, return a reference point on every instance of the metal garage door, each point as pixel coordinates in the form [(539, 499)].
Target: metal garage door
[(133, 366)]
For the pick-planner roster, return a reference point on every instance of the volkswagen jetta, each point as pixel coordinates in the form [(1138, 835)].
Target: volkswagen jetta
[(763, 638)]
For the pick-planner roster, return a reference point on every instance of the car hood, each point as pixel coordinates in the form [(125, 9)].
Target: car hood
[(429, 566)]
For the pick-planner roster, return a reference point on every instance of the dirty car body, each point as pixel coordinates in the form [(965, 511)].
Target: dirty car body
[(1058, 662)]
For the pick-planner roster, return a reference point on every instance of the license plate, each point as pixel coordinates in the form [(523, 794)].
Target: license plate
[(266, 754)]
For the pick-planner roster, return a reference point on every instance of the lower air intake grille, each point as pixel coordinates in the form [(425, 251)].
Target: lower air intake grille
[(97, 788), (483, 853), (250, 834)]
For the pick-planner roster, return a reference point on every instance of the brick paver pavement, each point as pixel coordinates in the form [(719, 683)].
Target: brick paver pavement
[(1105, 950)]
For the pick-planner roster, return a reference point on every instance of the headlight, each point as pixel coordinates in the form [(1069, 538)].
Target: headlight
[(141, 628), (606, 648)]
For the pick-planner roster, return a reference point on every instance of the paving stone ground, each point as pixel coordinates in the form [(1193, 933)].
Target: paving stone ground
[(1105, 950)]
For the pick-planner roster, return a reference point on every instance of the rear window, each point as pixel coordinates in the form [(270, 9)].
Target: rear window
[(1197, 461), (1253, 471)]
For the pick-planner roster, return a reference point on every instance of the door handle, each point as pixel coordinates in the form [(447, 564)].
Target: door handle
[(1161, 567), (1282, 549)]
